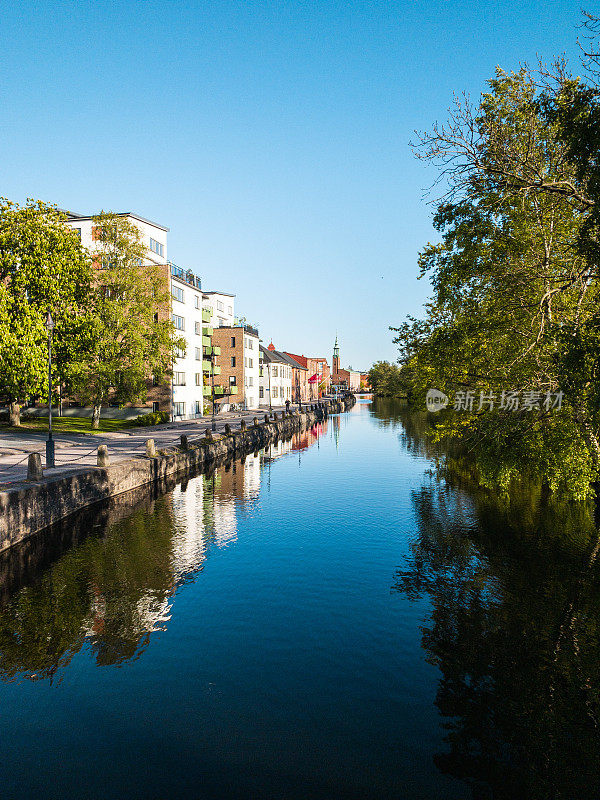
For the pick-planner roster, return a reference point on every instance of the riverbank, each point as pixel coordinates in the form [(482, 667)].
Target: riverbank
[(29, 507)]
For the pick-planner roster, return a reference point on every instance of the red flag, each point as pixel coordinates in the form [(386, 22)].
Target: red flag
[(314, 378)]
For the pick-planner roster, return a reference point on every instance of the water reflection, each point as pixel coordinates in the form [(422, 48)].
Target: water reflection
[(514, 629), (105, 580)]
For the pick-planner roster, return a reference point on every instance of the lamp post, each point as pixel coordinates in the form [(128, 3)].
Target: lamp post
[(50, 443)]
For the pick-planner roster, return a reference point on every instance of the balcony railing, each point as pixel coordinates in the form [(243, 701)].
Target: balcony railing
[(206, 340), (206, 331), (185, 275), (206, 366), (206, 314), (206, 391)]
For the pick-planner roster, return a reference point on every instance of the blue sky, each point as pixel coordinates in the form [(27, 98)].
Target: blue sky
[(271, 137)]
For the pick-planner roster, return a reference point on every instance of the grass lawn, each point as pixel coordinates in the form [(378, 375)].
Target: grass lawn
[(70, 425)]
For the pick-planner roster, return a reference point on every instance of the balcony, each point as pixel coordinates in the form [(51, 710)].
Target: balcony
[(206, 366), (206, 391), (218, 391), (207, 331), (216, 351), (206, 340), (216, 370), (185, 275), (206, 314), (233, 390)]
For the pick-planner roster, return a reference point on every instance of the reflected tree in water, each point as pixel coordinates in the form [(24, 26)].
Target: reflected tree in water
[(514, 629)]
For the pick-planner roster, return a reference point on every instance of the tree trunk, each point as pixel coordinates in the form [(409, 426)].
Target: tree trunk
[(96, 415), (14, 413)]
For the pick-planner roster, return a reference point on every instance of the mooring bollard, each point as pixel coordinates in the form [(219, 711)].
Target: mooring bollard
[(34, 467), (184, 441), (208, 434), (227, 428), (274, 415), (255, 422), (243, 425), (150, 448), (102, 459), (267, 418)]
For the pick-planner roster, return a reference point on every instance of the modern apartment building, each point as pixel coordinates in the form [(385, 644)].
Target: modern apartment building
[(275, 378), (222, 305), (238, 361), (191, 311)]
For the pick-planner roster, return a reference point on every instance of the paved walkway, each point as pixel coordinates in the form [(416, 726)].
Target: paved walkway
[(74, 451)]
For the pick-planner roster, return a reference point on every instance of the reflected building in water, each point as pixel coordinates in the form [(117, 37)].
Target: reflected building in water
[(110, 579)]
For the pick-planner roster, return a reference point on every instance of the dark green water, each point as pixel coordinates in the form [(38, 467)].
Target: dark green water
[(325, 620)]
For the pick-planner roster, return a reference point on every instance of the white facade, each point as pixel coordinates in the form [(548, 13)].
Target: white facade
[(223, 308), (251, 369), (188, 305), (275, 379), (154, 235)]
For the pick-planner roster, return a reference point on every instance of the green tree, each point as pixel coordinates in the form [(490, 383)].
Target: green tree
[(126, 339), (42, 266), (512, 288), (386, 379)]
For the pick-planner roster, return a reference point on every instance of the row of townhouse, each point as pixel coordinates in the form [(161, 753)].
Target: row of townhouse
[(223, 361)]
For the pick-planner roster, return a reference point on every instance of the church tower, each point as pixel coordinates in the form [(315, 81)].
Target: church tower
[(335, 364)]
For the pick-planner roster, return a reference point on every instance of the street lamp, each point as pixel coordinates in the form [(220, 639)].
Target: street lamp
[(50, 443)]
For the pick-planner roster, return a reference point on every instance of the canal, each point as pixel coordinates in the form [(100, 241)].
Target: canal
[(330, 618)]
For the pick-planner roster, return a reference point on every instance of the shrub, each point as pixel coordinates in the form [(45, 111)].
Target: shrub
[(154, 418)]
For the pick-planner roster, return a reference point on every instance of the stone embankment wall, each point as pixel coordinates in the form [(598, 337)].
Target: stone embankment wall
[(31, 507)]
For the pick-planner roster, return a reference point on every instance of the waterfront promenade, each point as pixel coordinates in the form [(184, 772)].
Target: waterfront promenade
[(76, 450)]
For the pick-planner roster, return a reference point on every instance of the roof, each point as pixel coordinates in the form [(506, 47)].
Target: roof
[(269, 356), (300, 359), (72, 217), (225, 294), (292, 361)]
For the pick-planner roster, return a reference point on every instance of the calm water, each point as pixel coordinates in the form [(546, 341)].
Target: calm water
[(327, 619)]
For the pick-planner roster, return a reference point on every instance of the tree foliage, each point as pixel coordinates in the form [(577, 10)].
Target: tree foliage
[(42, 267), (127, 338), (385, 379), (515, 275)]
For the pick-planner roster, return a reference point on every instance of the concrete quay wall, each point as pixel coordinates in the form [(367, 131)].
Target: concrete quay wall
[(30, 507)]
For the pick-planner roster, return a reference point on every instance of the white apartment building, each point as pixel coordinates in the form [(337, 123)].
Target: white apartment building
[(223, 308), (275, 380), (191, 317), (191, 313)]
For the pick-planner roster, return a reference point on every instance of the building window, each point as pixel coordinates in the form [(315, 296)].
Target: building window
[(179, 379), (179, 322), (156, 317), (197, 301), (274, 391), (198, 379), (198, 328), (220, 306), (250, 344), (233, 361), (198, 407), (232, 380), (155, 380), (250, 381), (177, 293), (157, 247), (179, 409), (274, 371), (250, 363), (261, 392), (233, 341), (198, 353), (179, 352), (230, 309)]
